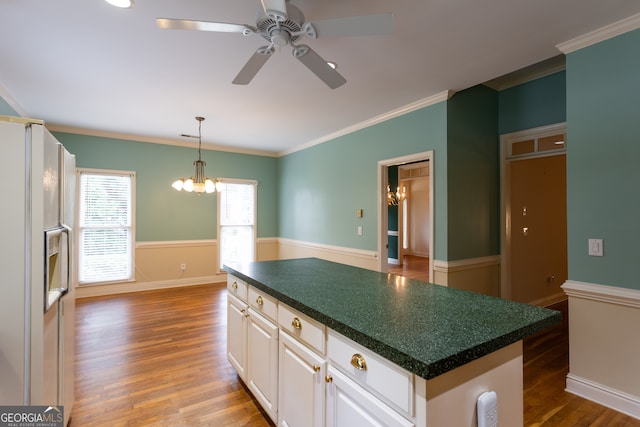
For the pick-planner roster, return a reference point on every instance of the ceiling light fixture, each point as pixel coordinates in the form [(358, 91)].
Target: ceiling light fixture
[(393, 199), (198, 183), (121, 3)]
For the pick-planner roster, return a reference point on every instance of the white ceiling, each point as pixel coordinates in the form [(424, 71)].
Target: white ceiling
[(86, 65)]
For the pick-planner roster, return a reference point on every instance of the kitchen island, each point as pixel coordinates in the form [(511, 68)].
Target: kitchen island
[(423, 353)]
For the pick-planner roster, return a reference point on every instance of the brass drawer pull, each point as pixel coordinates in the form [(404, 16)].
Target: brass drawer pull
[(316, 368), (358, 362), (296, 323), (259, 300), (328, 379), (235, 285)]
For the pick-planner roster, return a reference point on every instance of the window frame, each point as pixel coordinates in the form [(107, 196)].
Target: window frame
[(225, 181), (132, 227)]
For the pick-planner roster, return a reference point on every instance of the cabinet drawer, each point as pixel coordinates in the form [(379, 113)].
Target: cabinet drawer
[(237, 287), (263, 303), (391, 383), (302, 327)]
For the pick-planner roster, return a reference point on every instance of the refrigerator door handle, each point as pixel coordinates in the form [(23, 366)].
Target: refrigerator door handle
[(68, 232)]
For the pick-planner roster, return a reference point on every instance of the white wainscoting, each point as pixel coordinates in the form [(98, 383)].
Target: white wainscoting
[(157, 266), (481, 275), (357, 257), (604, 345)]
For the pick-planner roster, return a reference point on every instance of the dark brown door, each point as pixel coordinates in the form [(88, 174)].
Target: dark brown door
[(538, 228)]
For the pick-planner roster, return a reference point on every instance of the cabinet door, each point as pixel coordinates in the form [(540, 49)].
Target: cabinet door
[(262, 362), (301, 382), (237, 335), (349, 405)]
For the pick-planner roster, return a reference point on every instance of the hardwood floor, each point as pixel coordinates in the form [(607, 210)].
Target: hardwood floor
[(158, 358), (413, 267)]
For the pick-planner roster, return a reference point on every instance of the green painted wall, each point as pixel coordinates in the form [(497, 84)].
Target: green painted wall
[(6, 109), (473, 174), (533, 104), (312, 195), (322, 187), (603, 174), (163, 214)]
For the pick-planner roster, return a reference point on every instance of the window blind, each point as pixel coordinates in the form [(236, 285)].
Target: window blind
[(105, 227), (236, 223), (236, 204)]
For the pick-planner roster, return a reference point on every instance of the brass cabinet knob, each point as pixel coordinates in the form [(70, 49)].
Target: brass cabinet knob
[(296, 323), (259, 300), (358, 362), (316, 368), (328, 379), (235, 285)]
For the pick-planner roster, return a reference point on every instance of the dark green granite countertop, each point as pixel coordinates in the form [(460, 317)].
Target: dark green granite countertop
[(427, 329)]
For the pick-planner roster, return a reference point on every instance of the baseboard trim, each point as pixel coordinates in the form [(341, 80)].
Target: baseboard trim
[(88, 291), (614, 399), (465, 264), (602, 293), (550, 300)]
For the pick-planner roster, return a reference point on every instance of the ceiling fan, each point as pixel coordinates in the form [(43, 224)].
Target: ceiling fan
[(283, 24)]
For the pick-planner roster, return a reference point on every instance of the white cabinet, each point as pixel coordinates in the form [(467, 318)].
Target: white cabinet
[(252, 342), (301, 384), (384, 379), (262, 362), (237, 311), (349, 405)]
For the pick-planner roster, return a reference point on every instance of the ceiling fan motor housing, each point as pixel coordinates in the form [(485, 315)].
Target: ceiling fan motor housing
[(272, 31)]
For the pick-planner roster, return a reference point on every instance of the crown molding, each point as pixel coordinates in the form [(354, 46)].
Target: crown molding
[(421, 103), (612, 30), (541, 69), (164, 141)]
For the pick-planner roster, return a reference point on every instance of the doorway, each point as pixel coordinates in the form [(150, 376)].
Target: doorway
[(534, 215), (421, 235)]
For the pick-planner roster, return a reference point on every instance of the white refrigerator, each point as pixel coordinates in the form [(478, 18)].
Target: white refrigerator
[(37, 277)]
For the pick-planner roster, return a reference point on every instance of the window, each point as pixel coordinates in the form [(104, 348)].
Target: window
[(236, 222), (105, 226)]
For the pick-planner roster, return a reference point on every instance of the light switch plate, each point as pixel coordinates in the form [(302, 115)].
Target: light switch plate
[(595, 247)]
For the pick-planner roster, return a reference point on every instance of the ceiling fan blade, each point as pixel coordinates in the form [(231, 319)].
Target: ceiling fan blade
[(275, 9), (354, 26), (255, 63), (318, 66), (186, 24)]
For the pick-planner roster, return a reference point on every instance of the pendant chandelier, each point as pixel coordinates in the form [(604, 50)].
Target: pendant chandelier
[(198, 183), (393, 199)]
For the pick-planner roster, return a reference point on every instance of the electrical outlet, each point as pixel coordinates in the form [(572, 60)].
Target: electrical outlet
[(183, 267)]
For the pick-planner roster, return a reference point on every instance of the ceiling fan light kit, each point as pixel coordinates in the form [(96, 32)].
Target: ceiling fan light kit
[(283, 24), (121, 3)]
